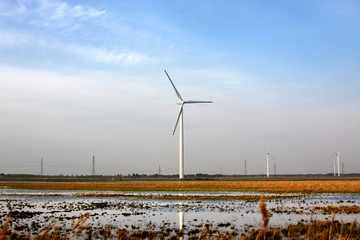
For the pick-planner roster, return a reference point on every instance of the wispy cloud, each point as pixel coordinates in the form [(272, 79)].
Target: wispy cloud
[(46, 13), (103, 55), (64, 15), (61, 10), (63, 29)]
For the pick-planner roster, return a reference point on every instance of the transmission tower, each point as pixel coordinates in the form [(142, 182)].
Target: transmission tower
[(159, 171), (93, 166)]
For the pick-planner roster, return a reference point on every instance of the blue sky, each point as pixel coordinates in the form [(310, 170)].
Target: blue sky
[(83, 78)]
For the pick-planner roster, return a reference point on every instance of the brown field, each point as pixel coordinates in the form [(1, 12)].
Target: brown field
[(342, 186)]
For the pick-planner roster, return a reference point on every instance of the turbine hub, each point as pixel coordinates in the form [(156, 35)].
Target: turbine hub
[(180, 103)]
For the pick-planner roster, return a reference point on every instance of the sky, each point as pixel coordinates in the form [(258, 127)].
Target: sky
[(86, 78)]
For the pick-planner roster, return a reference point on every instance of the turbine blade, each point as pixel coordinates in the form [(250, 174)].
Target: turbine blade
[(177, 121), (176, 91), (269, 148), (192, 101)]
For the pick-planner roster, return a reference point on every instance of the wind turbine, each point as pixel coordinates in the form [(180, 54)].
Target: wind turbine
[(267, 159), (268, 162), (181, 102), (338, 161)]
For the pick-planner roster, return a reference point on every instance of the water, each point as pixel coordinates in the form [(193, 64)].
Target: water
[(136, 211)]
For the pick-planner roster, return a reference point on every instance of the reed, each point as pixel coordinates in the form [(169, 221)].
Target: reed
[(265, 215), (4, 232), (352, 228), (80, 225)]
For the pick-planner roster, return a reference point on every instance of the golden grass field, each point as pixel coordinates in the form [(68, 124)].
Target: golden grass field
[(343, 186)]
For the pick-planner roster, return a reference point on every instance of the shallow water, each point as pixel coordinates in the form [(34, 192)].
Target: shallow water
[(48, 207)]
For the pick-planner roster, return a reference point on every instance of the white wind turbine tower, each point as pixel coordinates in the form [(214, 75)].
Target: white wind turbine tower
[(181, 102), (338, 161), (267, 159), (268, 162)]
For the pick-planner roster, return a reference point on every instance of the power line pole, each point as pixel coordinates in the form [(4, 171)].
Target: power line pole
[(93, 166), (342, 168)]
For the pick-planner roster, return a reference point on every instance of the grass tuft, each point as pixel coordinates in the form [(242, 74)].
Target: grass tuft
[(265, 214)]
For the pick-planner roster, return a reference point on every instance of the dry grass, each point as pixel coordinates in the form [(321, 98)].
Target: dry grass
[(354, 209), (4, 231), (265, 215), (205, 186)]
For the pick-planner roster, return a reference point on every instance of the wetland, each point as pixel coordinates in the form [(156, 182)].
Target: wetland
[(177, 210)]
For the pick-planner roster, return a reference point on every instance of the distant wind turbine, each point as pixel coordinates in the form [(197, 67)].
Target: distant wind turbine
[(181, 102), (267, 158), (338, 161), (268, 162)]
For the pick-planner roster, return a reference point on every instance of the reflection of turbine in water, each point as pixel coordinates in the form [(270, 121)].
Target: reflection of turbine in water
[(181, 219)]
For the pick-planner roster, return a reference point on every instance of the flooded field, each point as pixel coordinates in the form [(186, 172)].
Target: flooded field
[(32, 210)]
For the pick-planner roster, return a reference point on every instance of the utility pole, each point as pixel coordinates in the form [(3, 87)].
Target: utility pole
[(93, 166), (342, 168), (159, 171)]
